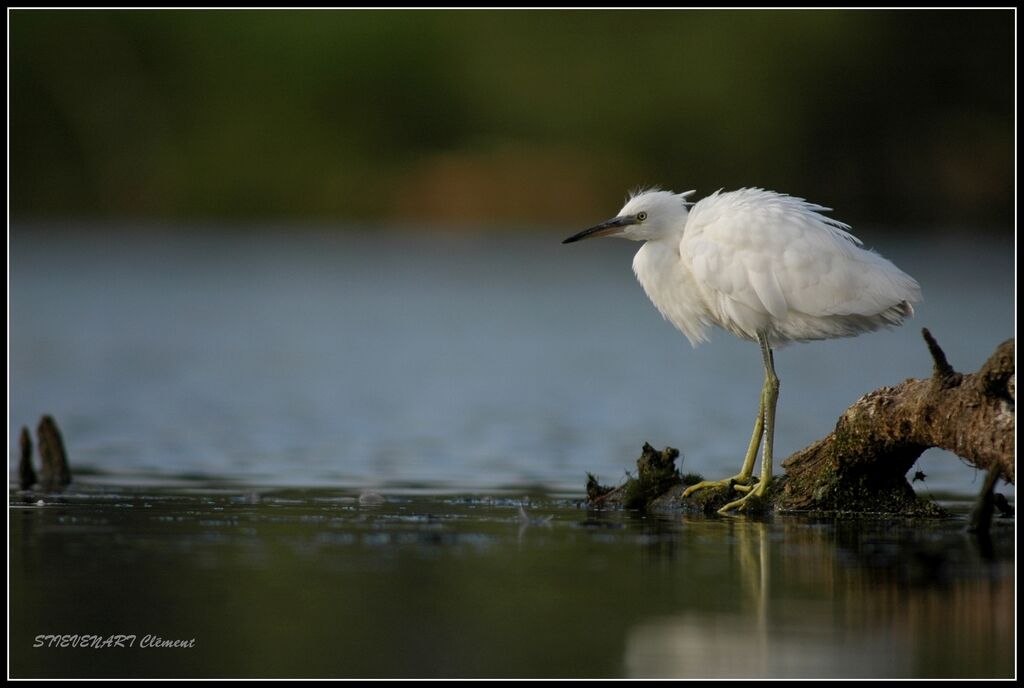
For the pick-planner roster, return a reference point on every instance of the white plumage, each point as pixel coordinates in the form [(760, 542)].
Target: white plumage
[(764, 266), (754, 260)]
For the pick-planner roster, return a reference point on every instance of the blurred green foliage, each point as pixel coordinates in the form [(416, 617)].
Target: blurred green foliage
[(507, 116)]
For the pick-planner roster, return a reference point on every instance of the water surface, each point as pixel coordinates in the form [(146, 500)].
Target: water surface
[(287, 357), (315, 583), (228, 396)]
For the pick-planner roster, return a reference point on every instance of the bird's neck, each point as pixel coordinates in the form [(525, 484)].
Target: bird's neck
[(671, 287)]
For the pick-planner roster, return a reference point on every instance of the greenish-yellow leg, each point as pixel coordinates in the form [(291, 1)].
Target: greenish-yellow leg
[(769, 398)]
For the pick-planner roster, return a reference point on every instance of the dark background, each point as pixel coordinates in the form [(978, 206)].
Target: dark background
[(508, 117)]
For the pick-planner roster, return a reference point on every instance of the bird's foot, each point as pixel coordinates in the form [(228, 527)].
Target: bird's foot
[(740, 483), (752, 501)]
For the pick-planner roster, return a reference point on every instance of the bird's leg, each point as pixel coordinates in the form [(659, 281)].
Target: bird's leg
[(770, 399), (742, 479)]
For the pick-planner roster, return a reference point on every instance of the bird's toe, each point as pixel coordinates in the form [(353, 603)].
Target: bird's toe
[(741, 483), (752, 502)]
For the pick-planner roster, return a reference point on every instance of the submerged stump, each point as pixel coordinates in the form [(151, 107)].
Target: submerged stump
[(26, 473), (861, 466), (54, 472)]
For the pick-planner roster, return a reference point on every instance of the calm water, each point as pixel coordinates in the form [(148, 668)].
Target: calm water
[(313, 583), (227, 396), (384, 359)]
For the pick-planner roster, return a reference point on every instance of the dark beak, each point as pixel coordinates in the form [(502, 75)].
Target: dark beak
[(614, 226)]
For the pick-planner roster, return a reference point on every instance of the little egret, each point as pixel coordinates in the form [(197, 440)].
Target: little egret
[(767, 267)]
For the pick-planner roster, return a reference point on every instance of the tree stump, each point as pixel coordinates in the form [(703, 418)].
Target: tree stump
[(54, 473), (861, 466)]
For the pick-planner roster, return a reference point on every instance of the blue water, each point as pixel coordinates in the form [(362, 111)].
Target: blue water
[(298, 356)]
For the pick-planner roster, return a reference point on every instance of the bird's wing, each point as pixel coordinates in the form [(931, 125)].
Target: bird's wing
[(761, 255)]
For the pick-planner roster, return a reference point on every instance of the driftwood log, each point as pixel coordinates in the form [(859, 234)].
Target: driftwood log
[(861, 466), (864, 461)]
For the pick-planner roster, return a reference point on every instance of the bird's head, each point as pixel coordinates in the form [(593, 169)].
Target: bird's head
[(650, 214)]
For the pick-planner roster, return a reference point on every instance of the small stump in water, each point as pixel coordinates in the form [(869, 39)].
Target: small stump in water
[(54, 472), (657, 483), (656, 474)]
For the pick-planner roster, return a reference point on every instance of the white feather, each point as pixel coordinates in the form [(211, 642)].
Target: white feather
[(755, 261)]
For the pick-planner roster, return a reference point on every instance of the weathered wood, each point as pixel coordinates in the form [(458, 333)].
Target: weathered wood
[(862, 463), (26, 474), (861, 466), (980, 520), (54, 473)]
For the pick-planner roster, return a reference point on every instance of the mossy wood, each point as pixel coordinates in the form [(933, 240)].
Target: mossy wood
[(861, 466)]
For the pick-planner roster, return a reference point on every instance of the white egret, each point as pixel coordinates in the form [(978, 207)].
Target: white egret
[(767, 267)]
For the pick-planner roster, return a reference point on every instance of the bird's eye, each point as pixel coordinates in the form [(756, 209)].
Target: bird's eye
[(641, 216)]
